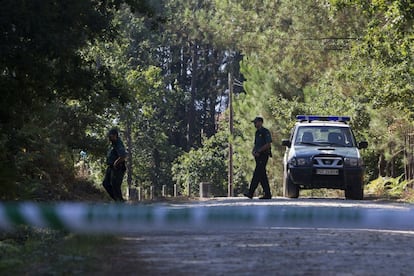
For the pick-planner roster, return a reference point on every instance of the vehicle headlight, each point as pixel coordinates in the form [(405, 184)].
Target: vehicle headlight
[(353, 162), (298, 161), (302, 161)]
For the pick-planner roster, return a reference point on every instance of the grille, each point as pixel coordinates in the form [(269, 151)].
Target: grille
[(328, 162)]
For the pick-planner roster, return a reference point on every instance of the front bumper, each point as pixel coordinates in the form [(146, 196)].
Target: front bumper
[(307, 178)]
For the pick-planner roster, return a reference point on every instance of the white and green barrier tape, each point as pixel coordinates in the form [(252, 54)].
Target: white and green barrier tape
[(122, 218)]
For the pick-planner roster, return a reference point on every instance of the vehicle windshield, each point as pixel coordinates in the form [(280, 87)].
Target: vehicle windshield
[(336, 136)]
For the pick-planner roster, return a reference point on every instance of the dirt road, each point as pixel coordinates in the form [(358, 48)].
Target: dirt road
[(269, 250)]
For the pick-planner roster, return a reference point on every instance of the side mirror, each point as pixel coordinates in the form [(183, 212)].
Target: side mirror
[(286, 143), (363, 145)]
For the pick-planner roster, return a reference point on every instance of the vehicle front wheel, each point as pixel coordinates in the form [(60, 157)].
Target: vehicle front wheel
[(355, 192), (290, 190)]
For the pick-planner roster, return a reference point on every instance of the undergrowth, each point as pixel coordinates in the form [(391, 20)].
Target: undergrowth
[(389, 187), (31, 251)]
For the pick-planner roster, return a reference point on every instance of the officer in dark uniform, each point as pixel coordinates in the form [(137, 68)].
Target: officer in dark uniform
[(116, 166), (261, 153)]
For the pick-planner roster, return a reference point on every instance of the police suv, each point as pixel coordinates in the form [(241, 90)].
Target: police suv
[(322, 153)]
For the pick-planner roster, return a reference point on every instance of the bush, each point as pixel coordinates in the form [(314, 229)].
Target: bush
[(205, 164)]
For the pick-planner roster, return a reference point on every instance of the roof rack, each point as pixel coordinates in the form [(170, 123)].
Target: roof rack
[(310, 118)]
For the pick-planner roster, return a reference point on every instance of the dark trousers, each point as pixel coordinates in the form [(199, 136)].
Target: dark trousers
[(113, 181), (260, 176)]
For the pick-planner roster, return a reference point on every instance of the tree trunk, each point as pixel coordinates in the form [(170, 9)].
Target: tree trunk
[(128, 138), (382, 165), (191, 116), (157, 170), (409, 154), (180, 60)]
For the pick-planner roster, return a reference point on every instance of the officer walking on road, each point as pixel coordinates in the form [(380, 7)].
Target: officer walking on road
[(261, 153), (116, 166)]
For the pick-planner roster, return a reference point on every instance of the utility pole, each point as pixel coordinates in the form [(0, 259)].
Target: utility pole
[(230, 169)]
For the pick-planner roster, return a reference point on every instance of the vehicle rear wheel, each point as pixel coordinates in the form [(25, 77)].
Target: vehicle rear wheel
[(355, 192), (290, 190)]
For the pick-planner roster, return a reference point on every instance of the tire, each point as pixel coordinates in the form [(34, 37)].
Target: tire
[(354, 192), (290, 190)]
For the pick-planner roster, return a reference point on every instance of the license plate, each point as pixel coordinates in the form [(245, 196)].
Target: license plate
[(327, 172)]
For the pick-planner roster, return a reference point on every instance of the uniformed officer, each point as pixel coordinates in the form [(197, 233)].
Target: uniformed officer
[(116, 166), (261, 153)]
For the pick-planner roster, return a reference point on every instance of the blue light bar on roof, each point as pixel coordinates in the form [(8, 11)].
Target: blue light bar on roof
[(323, 118)]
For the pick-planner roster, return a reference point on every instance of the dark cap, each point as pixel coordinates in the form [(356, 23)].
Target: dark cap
[(257, 119), (113, 131)]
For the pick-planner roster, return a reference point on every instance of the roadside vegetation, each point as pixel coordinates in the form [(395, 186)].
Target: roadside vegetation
[(45, 252), (392, 188)]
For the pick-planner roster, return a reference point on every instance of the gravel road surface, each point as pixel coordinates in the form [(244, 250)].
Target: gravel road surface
[(270, 250)]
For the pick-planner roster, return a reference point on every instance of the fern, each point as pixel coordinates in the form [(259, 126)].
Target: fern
[(389, 186)]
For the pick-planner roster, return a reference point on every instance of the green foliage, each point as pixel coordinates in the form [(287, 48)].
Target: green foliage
[(389, 186), (205, 164), (50, 94), (28, 250), (158, 70), (381, 62)]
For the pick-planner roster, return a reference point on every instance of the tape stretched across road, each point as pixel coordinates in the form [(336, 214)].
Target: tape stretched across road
[(123, 218)]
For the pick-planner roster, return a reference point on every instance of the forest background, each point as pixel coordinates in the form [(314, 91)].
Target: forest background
[(158, 70)]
